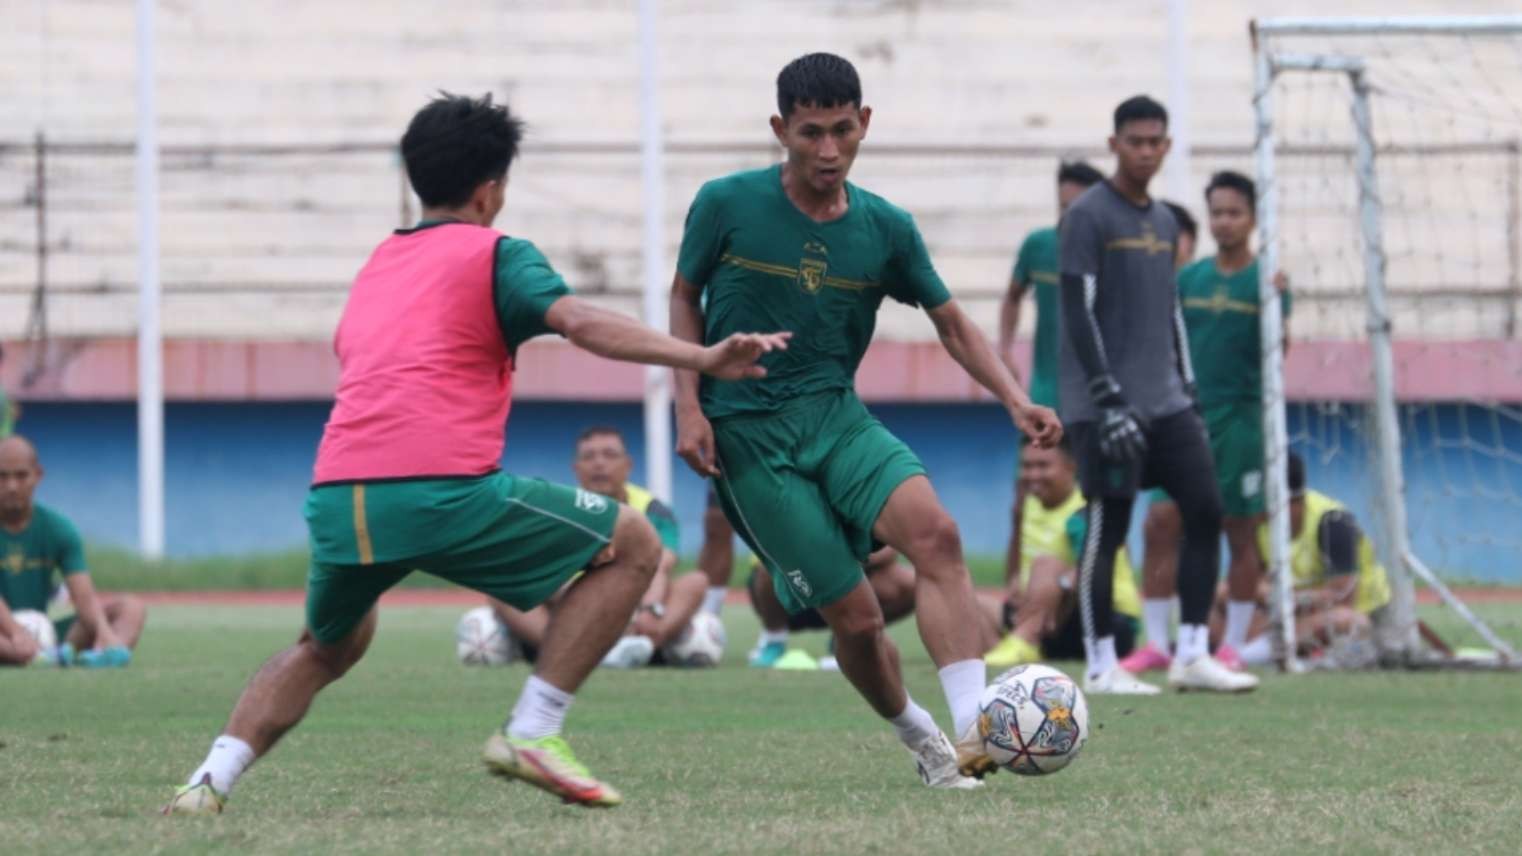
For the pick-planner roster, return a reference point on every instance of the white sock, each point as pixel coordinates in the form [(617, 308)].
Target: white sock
[(1101, 655), (913, 725), (770, 636), (228, 758), (963, 682), (540, 710), (1157, 614), (1193, 642), (1258, 652), (714, 601), (1238, 620)]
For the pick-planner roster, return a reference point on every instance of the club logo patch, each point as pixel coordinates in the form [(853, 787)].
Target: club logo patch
[(591, 502), (799, 583)]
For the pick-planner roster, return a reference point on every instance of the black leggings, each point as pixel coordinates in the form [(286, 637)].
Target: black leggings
[(1178, 460)]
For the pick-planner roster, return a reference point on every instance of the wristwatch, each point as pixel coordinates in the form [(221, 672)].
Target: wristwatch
[(656, 609)]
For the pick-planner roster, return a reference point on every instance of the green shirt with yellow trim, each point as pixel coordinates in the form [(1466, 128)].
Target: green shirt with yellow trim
[(32, 560), (1225, 345), (1036, 267), (657, 513), (764, 266)]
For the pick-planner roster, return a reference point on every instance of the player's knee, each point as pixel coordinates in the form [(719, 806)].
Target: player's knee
[(1162, 525), (132, 607), (859, 624), (635, 541), (935, 544), (337, 659)]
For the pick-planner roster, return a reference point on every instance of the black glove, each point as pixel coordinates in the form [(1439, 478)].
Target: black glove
[(1121, 438)]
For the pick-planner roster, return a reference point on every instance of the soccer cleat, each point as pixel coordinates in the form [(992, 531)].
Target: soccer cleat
[(630, 652), (197, 799), (937, 762), (1147, 658), (1117, 681), (1206, 674), (766, 656), (1228, 657), (972, 759), (1011, 651), (114, 657), (796, 660), (548, 764)]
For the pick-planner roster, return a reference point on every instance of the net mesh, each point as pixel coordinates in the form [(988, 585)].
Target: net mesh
[(1446, 114)]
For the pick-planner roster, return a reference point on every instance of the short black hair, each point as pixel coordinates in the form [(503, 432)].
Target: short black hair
[(1186, 222), (1080, 173), (1062, 446), (600, 431), (1233, 180), (817, 80), (1139, 108), (456, 143), (1296, 474)]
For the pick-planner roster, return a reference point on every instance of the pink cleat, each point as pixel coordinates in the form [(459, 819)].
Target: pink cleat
[(1228, 657), (1147, 658)]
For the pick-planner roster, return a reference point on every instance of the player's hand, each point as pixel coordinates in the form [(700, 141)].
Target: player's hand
[(1121, 438), (26, 646), (694, 442), (735, 357), (1040, 424)]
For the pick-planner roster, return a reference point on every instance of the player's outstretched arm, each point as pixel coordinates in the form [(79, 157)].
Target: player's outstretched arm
[(966, 344), (619, 337), (92, 613), (694, 436)]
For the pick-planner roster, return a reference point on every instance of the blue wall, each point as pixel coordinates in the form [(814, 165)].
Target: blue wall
[(237, 473)]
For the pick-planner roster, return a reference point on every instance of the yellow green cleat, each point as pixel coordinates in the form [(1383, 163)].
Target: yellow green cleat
[(197, 799), (548, 763)]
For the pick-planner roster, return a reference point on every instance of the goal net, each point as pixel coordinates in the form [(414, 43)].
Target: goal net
[(1389, 157)]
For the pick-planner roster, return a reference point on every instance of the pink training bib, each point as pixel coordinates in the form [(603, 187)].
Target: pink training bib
[(425, 377)]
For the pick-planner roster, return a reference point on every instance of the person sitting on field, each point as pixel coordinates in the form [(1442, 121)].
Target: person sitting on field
[(38, 544), (602, 465), (1041, 606), (891, 580), (1340, 587)]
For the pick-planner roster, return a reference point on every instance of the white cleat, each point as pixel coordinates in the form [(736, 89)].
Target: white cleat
[(936, 760), (1118, 681), (1207, 674), (630, 652)]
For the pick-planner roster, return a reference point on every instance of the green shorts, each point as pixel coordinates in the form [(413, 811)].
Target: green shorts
[(515, 539), (1236, 445), (804, 486)]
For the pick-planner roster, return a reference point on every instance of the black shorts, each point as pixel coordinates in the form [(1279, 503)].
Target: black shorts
[(1067, 642), (1175, 442)]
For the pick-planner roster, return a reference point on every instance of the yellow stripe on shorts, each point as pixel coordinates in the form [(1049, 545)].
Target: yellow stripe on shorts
[(362, 528)]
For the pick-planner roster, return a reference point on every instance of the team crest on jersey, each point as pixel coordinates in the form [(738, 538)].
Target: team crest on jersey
[(588, 501), (15, 560), (811, 274), (800, 583)]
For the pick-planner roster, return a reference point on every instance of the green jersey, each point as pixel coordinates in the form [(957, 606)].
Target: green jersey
[(1036, 265), (32, 560), (764, 266), (1225, 345)]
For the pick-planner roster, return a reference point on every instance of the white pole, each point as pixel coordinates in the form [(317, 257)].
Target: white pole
[(658, 444), (1271, 331), (1178, 168), (150, 369), (1391, 499)]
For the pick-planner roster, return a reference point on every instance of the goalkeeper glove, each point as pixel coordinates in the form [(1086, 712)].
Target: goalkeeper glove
[(1121, 438)]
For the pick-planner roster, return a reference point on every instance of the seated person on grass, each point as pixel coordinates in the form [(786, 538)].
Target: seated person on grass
[(602, 465), (891, 580), (1340, 587), (36, 545), (1041, 611)]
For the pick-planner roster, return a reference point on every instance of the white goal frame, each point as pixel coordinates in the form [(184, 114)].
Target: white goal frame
[(1400, 645)]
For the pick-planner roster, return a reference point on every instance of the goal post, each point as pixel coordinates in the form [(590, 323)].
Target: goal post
[(1362, 123)]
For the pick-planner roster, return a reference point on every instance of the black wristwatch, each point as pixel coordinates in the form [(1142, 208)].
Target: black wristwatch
[(656, 609)]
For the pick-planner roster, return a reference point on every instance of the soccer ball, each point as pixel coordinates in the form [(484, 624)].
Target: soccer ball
[(481, 639), (38, 627), (701, 642), (1033, 720)]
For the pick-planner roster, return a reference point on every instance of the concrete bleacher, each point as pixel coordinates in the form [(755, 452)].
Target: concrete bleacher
[(275, 119)]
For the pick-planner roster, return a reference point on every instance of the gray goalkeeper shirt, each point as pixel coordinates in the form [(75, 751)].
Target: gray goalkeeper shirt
[(1123, 255)]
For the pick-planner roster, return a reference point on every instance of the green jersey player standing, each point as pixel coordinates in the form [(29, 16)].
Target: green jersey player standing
[(807, 476)]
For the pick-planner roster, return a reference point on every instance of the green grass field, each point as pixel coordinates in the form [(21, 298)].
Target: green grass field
[(737, 761)]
